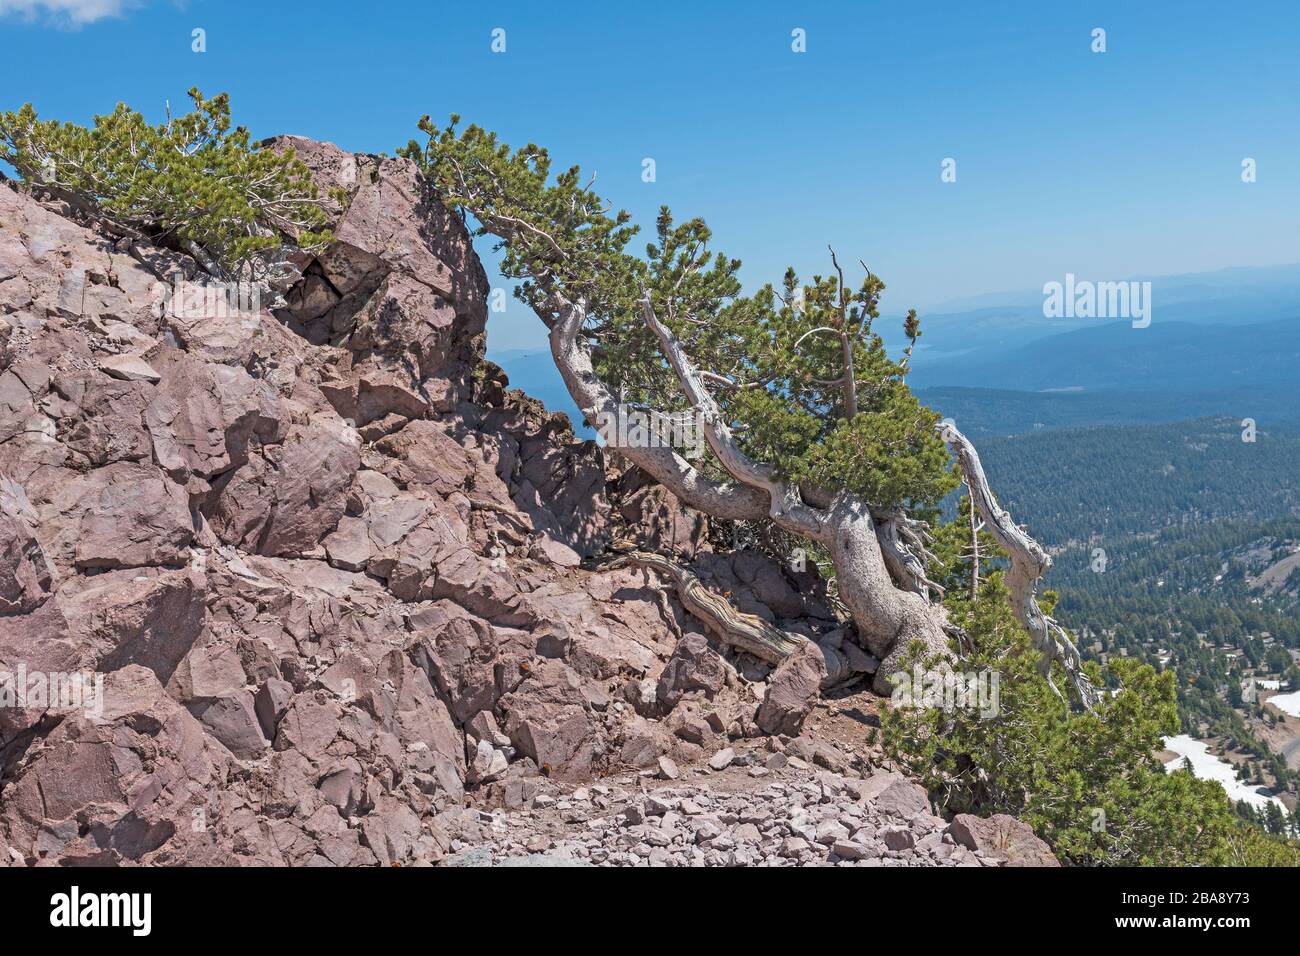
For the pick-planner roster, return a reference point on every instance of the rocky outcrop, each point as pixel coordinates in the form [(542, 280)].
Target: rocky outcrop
[(325, 577)]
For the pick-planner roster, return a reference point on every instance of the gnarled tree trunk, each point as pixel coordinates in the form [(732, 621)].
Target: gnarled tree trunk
[(880, 574)]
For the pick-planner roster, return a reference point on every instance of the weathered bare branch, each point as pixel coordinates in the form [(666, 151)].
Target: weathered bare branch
[(821, 328), (890, 621), (1029, 562), (744, 631), (786, 506), (846, 346), (722, 500), (902, 542)]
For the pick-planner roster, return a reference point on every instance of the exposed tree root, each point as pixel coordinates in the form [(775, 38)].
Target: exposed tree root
[(746, 632)]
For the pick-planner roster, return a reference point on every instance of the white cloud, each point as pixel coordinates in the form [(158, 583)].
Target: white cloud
[(75, 13)]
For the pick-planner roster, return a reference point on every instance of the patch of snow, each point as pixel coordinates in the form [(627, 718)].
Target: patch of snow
[(1287, 703), (1207, 766)]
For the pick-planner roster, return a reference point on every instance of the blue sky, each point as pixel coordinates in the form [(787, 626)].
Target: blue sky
[(1106, 165)]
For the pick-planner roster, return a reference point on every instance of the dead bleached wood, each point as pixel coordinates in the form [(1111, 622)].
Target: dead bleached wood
[(745, 632), (1029, 562), (723, 500)]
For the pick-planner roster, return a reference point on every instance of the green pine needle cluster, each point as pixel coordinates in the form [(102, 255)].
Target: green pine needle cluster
[(192, 183), (1089, 784)]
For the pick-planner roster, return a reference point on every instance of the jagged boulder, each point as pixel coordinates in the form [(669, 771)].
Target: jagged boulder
[(1003, 835), (401, 284), (657, 520), (26, 576), (792, 691), (695, 667)]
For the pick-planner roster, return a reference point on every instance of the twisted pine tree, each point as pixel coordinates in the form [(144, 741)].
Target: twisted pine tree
[(810, 423)]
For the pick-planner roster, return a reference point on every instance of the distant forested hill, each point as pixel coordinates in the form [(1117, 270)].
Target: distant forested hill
[(1200, 536), (1216, 603), (1108, 482)]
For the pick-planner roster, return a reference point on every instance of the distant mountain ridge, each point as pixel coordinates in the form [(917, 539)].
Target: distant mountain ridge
[(991, 411), (996, 321), (1220, 343), (1172, 356)]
